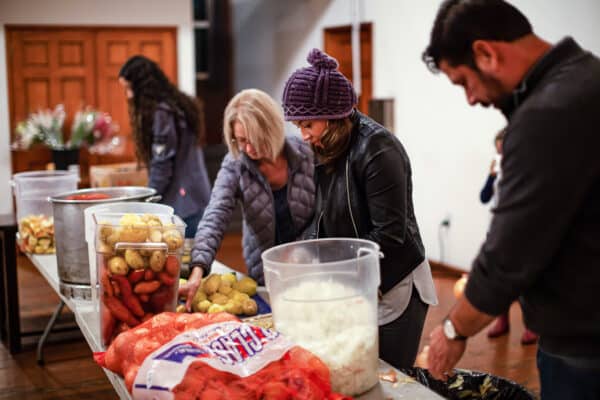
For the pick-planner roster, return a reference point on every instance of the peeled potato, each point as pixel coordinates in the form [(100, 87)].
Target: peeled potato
[(134, 259), (157, 260)]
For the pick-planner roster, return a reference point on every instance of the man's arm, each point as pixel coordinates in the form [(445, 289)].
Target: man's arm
[(444, 353)]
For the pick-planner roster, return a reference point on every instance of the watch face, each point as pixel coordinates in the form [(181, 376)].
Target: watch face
[(449, 329)]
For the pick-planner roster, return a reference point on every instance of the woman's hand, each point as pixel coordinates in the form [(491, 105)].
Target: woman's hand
[(493, 168), (189, 289)]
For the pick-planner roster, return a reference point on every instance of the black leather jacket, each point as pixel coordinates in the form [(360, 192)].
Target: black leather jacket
[(368, 195)]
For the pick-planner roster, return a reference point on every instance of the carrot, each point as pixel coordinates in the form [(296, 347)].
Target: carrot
[(120, 312), (165, 278), (106, 285), (172, 266), (146, 287), (128, 297), (136, 276), (149, 275)]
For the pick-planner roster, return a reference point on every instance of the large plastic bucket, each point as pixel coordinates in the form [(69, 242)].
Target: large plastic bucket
[(324, 298), (90, 228), (34, 212)]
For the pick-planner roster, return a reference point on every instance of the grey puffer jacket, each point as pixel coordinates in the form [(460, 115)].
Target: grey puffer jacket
[(240, 179), (177, 169)]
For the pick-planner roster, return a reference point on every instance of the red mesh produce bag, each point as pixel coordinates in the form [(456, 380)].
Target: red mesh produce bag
[(217, 358)]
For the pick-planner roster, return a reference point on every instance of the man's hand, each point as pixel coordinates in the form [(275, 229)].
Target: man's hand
[(189, 289), (443, 353)]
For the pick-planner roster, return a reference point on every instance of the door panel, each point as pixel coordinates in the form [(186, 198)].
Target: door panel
[(338, 44)]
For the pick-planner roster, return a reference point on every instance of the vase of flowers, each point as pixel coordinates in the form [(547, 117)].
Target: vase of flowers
[(43, 126), (91, 128)]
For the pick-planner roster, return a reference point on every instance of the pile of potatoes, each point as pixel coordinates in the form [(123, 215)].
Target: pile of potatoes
[(136, 228), (224, 292)]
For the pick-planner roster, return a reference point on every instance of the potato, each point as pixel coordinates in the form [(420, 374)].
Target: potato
[(133, 229), (151, 220), (200, 296), (203, 306), (118, 266), (249, 307), (246, 285), (113, 238), (155, 235), (239, 296), (224, 287), (233, 307), (134, 259), (157, 260), (104, 249), (180, 308), (215, 308), (218, 298), (134, 233), (229, 277), (173, 238), (105, 230), (211, 284)]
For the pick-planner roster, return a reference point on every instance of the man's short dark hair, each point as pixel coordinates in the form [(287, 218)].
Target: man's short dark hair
[(461, 22)]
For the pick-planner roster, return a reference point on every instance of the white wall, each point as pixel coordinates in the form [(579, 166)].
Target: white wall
[(450, 143), (90, 12)]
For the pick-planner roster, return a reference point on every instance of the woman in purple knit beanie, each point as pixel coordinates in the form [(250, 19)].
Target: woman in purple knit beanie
[(364, 190)]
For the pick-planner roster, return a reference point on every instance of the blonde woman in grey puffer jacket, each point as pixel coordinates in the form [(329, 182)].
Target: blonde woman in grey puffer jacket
[(270, 173)]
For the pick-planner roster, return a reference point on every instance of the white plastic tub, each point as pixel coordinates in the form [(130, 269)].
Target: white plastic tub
[(90, 228)]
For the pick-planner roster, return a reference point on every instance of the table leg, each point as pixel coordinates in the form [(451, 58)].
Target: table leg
[(10, 290), (40, 347)]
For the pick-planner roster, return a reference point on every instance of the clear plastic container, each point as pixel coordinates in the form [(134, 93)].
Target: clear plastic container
[(90, 228), (138, 259), (324, 298), (34, 211)]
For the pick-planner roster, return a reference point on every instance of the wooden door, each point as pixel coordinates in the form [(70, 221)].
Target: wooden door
[(338, 44), (47, 68), (113, 48)]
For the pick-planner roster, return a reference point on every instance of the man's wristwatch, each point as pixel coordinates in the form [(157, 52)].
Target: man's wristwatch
[(450, 331)]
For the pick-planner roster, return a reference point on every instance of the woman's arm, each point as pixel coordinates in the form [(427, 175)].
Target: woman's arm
[(211, 228), (488, 189)]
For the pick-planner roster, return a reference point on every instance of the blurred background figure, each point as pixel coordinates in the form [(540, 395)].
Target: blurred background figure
[(167, 128), (489, 194)]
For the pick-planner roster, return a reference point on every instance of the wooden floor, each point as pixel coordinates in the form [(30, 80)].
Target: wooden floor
[(70, 372)]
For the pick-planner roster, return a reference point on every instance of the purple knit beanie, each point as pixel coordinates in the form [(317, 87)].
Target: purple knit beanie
[(319, 91)]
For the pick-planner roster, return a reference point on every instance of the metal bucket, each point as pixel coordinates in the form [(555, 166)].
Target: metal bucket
[(69, 234)]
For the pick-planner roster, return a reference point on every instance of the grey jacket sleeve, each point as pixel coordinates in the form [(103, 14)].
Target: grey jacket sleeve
[(217, 214), (164, 149)]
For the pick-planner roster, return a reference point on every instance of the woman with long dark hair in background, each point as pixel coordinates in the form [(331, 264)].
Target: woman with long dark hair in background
[(167, 128)]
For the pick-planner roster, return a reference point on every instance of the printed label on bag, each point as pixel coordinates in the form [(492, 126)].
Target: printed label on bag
[(232, 346)]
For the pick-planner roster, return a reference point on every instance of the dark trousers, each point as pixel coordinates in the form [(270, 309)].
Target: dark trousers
[(561, 381), (192, 224), (399, 339)]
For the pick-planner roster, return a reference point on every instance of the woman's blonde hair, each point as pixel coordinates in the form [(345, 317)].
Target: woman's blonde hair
[(262, 120)]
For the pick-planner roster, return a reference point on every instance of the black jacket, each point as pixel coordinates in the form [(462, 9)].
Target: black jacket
[(544, 241), (369, 196)]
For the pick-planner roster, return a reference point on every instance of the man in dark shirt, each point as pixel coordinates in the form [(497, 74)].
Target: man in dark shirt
[(543, 246)]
